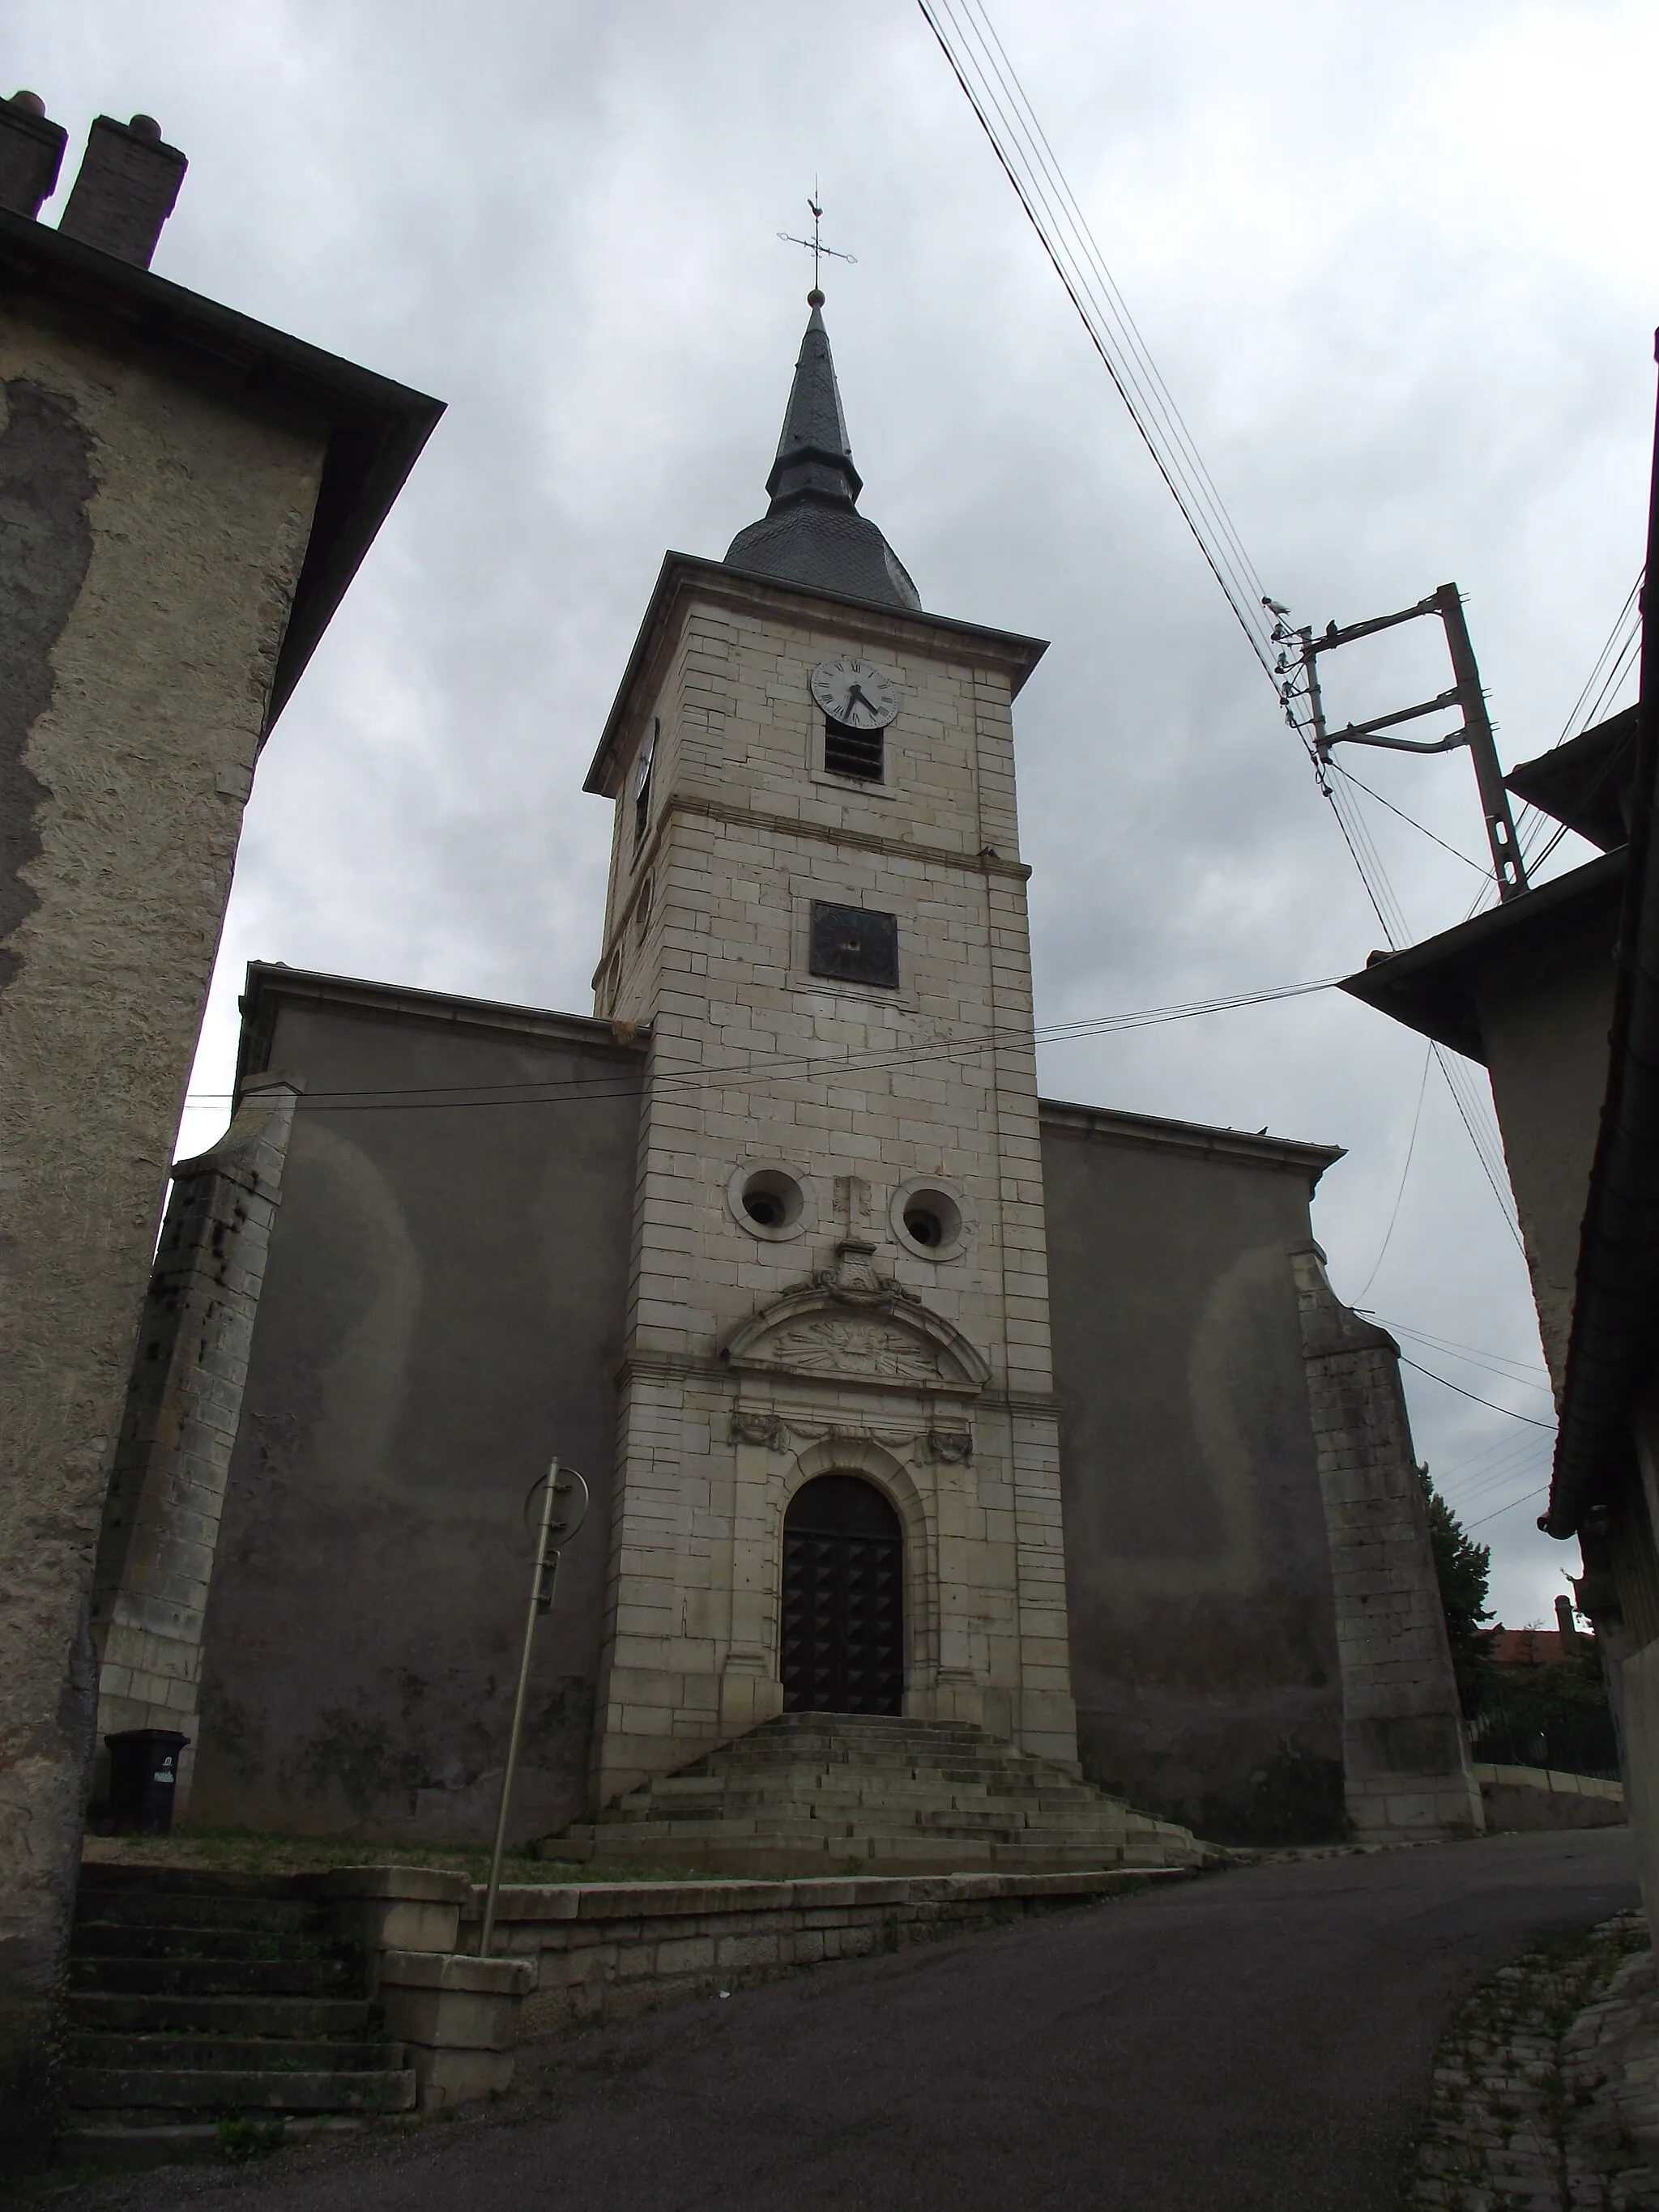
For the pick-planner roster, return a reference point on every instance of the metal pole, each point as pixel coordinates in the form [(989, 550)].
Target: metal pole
[(1316, 696), (541, 1597), (1508, 866)]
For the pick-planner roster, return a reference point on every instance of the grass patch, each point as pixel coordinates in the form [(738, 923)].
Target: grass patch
[(241, 2141)]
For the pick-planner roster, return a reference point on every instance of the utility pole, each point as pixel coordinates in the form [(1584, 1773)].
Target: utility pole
[(564, 1508), (1509, 869)]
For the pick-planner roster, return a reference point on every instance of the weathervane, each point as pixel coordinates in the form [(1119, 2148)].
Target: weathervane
[(816, 247)]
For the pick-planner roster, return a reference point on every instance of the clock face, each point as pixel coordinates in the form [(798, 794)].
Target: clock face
[(855, 693)]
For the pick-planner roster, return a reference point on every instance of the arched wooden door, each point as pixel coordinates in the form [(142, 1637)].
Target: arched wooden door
[(843, 1644)]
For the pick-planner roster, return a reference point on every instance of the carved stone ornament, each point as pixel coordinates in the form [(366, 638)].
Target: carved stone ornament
[(952, 1444), (881, 1334), (902, 1441), (749, 1427)]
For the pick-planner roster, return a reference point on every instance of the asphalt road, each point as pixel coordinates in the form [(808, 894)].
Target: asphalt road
[(1260, 2038)]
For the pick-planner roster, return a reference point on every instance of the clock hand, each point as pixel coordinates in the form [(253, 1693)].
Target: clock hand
[(856, 693)]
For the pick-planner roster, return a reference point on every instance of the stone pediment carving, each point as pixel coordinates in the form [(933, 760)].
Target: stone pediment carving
[(827, 1330)]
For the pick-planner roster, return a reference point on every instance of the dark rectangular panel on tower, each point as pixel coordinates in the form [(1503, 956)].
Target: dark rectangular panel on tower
[(854, 945)]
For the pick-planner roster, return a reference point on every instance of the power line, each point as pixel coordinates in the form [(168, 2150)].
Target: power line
[(980, 65), (776, 1066), (1411, 1146), (1496, 1177), (1629, 613), (1530, 1498), (1491, 1404), (1495, 1362), (1411, 820)]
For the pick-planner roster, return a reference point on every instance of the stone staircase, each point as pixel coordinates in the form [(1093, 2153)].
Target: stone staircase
[(838, 1793), (212, 2012)]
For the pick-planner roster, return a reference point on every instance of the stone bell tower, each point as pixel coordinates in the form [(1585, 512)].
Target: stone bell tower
[(837, 1468)]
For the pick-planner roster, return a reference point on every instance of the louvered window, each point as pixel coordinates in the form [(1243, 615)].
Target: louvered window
[(848, 751)]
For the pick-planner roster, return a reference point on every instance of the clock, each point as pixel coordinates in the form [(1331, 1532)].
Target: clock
[(855, 693)]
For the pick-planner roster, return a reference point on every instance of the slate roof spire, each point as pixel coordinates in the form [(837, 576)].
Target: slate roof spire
[(815, 458), (813, 533)]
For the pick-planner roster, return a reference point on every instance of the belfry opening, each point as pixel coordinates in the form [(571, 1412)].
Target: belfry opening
[(841, 1647)]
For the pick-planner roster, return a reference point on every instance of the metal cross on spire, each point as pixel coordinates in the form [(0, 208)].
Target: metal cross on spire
[(816, 247)]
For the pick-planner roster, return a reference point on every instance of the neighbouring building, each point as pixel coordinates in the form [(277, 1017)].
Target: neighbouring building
[(901, 1390), (184, 496), (1556, 993)]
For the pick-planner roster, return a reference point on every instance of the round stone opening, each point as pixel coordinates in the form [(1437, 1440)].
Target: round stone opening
[(931, 1220), (772, 1200)]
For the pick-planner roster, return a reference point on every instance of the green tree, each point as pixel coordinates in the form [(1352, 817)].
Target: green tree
[(1463, 1571)]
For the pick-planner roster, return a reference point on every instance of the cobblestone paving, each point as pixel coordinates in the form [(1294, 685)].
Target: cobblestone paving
[(1546, 2085)]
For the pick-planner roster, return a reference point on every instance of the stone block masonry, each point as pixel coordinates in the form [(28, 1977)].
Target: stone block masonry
[(608, 1949), (161, 1515), (1406, 1756), (756, 1363)]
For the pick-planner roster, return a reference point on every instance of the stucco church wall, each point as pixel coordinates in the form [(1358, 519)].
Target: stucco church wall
[(442, 1311), (1203, 1633)]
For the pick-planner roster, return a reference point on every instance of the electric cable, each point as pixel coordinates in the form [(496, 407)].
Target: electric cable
[(1001, 108), (1410, 820), (1495, 1362), (784, 1066), (1531, 1499), (1491, 1404), (980, 65), (1411, 1146)]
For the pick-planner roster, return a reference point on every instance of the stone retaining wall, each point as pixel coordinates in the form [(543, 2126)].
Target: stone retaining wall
[(1529, 1797), (607, 1948)]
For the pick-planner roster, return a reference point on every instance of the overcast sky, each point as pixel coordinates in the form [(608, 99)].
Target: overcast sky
[(1395, 262)]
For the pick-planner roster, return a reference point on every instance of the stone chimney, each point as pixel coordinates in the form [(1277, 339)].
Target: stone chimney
[(125, 192), (31, 153)]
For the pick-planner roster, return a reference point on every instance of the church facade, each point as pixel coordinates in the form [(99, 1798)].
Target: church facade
[(899, 1389)]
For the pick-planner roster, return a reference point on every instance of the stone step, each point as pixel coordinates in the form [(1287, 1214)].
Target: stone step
[(818, 1789), (134, 2089), (169, 1978), (840, 1781), (103, 1939), (100, 1877), (255, 2053), (112, 1907), (229, 2015), (164, 2140), (897, 1802), (896, 1806)]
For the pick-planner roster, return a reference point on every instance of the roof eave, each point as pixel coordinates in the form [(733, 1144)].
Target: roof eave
[(377, 427), (268, 980), (1427, 987), (1154, 1132)]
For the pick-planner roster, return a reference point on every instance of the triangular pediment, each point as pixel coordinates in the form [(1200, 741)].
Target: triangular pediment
[(888, 1338)]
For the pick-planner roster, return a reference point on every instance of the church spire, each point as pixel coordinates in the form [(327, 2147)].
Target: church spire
[(815, 460), (812, 533)]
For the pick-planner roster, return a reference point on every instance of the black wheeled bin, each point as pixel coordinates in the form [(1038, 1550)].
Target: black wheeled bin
[(143, 1776)]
